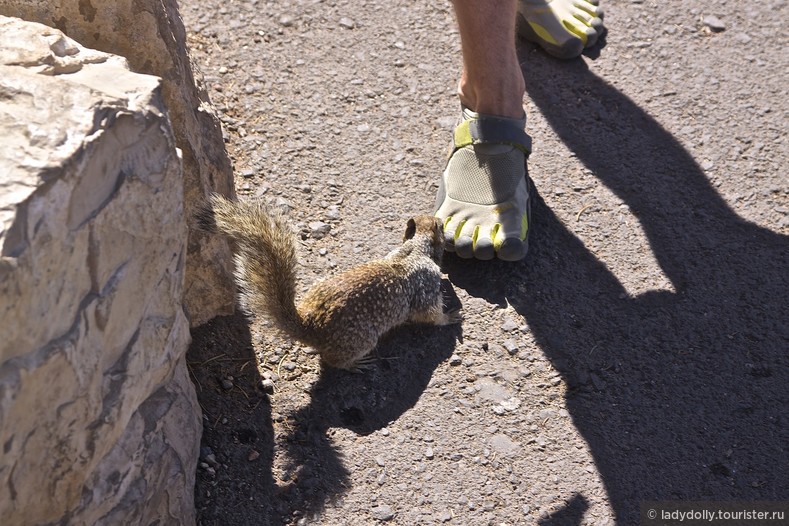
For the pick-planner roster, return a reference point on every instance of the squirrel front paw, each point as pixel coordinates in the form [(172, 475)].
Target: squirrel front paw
[(452, 317)]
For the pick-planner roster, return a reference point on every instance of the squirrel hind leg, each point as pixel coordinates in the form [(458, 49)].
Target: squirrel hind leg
[(436, 316), (355, 362), (363, 364), (452, 317)]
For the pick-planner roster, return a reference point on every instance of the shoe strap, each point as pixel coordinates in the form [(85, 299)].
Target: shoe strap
[(491, 130)]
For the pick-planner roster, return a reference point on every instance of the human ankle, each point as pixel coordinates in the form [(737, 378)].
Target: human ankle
[(492, 99), (510, 111)]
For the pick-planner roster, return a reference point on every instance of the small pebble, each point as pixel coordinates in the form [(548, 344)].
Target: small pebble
[(511, 346), (511, 404), (509, 325), (227, 384), (253, 455), (284, 205), (333, 212), (455, 360), (382, 513), (445, 516), (319, 229), (347, 23), (503, 444), (447, 122), (429, 453), (268, 385), (743, 38), (289, 366), (286, 21), (546, 413), (714, 23)]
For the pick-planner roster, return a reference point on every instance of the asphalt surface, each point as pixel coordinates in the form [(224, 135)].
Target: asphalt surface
[(639, 353)]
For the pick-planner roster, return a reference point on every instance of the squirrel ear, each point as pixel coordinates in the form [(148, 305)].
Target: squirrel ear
[(410, 230)]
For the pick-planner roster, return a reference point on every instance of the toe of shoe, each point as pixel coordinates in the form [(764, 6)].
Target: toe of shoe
[(594, 31), (464, 247), (484, 250), (512, 249), (449, 241)]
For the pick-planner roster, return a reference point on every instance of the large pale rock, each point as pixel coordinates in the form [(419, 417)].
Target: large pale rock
[(99, 423), (150, 34)]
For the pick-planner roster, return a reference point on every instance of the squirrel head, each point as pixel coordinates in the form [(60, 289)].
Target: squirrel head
[(428, 233)]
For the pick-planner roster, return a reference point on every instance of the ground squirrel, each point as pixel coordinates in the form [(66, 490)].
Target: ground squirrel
[(344, 316)]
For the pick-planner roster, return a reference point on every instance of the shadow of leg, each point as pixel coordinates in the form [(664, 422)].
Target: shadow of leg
[(570, 514)]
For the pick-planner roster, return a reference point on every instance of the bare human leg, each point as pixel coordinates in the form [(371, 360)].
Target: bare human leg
[(483, 198), (484, 194)]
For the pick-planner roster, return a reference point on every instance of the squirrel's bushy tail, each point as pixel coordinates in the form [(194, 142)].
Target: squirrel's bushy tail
[(265, 258)]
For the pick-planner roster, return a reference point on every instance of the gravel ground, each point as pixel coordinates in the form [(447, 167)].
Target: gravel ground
[(638, 353)]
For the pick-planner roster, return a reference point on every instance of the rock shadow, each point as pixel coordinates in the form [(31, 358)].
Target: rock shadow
[(234, 478), (238, 446), (680, 393)]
